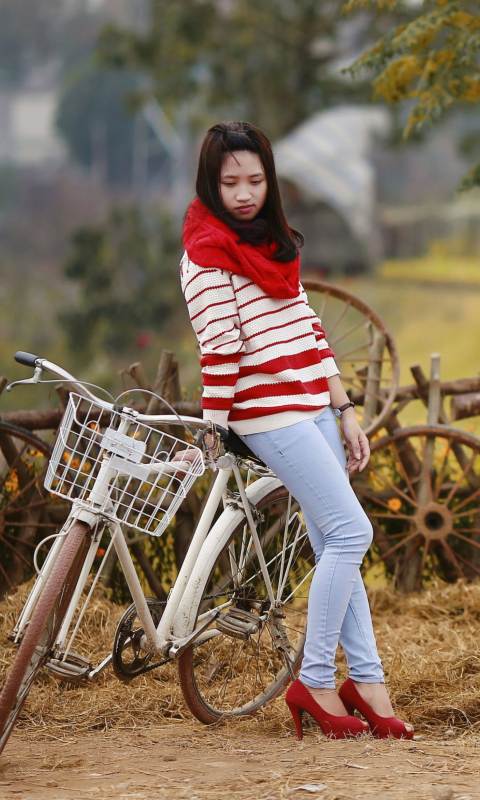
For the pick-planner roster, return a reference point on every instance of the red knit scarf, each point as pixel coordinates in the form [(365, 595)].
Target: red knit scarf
[(209, 242)]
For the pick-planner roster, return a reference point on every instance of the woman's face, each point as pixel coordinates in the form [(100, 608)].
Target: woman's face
[(243, 185)]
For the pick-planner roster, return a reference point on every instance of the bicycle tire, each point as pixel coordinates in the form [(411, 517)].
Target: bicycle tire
[(43, 628), (28, 436), (217, 678)]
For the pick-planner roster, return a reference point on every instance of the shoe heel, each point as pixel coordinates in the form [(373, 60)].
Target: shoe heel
[(297, 714)]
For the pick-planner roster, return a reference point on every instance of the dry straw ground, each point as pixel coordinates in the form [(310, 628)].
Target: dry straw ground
[(110, 740)]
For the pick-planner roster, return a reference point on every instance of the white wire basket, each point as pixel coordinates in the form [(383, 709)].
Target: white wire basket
[(130, 476)]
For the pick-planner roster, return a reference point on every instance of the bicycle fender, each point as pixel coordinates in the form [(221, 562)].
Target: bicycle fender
[(185, 618)]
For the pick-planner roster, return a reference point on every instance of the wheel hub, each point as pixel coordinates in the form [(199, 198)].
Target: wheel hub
[(434, 521)]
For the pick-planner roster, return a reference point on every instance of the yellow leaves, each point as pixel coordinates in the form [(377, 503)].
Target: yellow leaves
[(12, 484), (394, 82), (34, 453), (443, 58), (465, 21), (472, 93), (353, 5), (74, 463)]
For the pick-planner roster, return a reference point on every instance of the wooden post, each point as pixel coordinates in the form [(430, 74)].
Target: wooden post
[(434, 401), (372, 384), (434, 397), (63, 395), (164, 374), (138, 374)]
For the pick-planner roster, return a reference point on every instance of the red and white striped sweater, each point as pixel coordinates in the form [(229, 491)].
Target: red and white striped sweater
[(265, 361)]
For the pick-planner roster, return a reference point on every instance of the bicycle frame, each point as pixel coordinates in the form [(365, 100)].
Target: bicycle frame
[(175, 630)]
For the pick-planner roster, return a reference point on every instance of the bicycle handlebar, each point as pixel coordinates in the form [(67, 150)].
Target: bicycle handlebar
[(30, 360), (27, 359)]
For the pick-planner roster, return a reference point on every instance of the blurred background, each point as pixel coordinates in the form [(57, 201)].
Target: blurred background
[(103, 105)]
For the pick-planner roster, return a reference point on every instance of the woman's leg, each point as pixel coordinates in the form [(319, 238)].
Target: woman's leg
[(356, 635), (302, 458)]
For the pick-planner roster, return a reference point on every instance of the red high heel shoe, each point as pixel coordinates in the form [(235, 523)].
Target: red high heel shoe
[(299, 699), (381, 727)]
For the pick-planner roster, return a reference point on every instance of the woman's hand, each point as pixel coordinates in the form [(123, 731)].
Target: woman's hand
[(185, 455), (357, 442), (191, 455)]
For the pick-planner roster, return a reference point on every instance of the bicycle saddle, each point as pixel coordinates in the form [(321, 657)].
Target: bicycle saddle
[(235, 445)]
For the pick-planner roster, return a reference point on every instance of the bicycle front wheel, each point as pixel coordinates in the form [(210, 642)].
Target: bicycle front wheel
[(43, 627), (256, 645)]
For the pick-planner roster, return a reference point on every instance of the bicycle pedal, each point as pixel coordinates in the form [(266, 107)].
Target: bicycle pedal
[(74, 668), (238, 623)]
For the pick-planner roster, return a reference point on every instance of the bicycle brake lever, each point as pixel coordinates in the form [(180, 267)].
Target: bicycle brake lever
[(36, 378)]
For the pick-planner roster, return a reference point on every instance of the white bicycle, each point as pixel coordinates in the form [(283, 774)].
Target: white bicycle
[(234, 619)]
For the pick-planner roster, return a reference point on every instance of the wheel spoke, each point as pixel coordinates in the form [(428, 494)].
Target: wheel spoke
[(33, 524), (21, 492), (467, 563), (395, 489), (458, 514), (467, 530), (404, 472), (16, 551), (456, 532), (335, 324), (453, 557), (463, 474), (468, 499), (396, 547), (352, 329), (443, 468), (370, 496), (321, 313), (5, 575)]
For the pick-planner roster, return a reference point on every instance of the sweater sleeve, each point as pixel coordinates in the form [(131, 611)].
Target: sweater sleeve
[(326, 354), (212, 308)]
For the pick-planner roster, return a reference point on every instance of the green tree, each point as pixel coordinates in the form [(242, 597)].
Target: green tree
[(127, 275), (92, 115), (269, 61), (431, 62)]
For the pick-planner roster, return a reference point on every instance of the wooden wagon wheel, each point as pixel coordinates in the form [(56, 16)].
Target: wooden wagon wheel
[(364, 350), (421, 491), (27, 511)]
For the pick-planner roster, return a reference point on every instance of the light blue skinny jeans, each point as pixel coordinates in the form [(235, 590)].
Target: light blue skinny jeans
[(310, 460)]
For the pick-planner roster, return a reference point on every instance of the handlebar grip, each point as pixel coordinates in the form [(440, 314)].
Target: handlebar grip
[(27, 359)]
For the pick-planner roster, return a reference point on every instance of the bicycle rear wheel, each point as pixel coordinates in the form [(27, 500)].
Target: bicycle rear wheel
[(43, 627), (255, 647)]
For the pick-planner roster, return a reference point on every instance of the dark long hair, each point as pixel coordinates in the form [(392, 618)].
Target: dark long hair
[(270, 225)]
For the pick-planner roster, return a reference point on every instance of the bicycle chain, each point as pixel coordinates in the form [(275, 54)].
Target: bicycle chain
[(151, 667)]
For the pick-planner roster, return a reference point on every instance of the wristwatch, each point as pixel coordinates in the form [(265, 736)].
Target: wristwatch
[(339, 411)]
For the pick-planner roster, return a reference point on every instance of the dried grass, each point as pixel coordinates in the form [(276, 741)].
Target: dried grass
[(429, 643)]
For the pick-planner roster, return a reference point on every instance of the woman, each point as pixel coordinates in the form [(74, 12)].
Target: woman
[(269, 375)]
